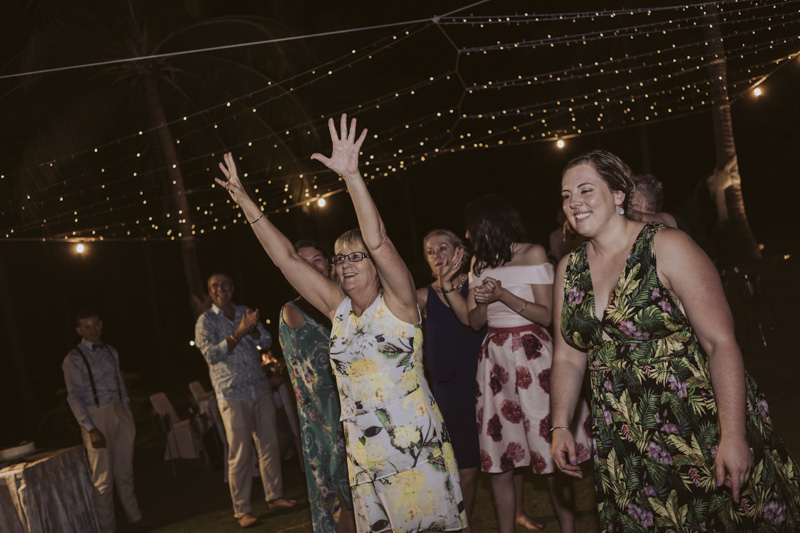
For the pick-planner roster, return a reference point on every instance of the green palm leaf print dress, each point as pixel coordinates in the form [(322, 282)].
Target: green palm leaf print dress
[(655, 425)]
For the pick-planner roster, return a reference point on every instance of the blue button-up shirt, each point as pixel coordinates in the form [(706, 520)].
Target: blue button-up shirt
[(236, 375), (104, 363)]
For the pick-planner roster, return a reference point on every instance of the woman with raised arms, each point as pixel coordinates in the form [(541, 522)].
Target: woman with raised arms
[(402, 469)]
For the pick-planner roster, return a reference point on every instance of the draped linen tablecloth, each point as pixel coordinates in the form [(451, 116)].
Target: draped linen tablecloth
[(48, 492)]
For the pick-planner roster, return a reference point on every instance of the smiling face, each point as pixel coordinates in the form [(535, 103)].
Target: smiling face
[(438, 250), (91, 329), (357, 275), (588, 202), (220, 288), (314, 257)]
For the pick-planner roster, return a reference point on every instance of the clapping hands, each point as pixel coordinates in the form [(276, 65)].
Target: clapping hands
[(490, 291)]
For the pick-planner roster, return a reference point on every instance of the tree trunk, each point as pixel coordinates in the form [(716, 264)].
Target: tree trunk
[(725, 183), (162, 345), (191, 267)]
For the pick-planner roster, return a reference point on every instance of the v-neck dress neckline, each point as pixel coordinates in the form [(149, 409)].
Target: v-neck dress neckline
[(623, 273)]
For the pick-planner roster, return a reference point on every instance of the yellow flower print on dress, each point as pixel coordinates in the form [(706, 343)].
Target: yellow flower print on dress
[(395, 434), (407, 436), (363, 366)]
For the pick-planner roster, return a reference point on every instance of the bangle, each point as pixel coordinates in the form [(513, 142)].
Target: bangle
[(552, 429), (256, 220), (523, 309), (233, 339)]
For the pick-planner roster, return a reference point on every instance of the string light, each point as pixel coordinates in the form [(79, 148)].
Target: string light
[(658, 72)]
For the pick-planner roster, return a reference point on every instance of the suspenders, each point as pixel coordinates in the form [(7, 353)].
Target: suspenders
[(91, 377)]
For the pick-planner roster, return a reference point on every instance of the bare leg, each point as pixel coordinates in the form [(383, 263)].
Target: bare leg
[(523, 518), (468, 477), (347, 518), (504, 500), (563, 495)]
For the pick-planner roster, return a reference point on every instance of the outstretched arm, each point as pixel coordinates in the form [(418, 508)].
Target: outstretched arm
[(398, 285), (321, 292)]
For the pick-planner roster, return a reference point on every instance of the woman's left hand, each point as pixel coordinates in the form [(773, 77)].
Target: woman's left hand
[(344, 158), (733, 464)]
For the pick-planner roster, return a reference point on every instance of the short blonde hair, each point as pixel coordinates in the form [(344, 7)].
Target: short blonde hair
[(352, 239)]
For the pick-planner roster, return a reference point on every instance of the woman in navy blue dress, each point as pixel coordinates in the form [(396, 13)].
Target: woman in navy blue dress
[(451, 357)]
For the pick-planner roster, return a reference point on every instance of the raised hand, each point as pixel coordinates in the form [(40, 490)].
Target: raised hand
[(232, 183), (344, 158)]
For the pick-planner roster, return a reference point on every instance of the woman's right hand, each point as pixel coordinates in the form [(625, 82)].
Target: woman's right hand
[(562, 449), (232, 183)]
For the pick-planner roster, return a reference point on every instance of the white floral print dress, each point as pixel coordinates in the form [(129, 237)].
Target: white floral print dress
[(402, 468)]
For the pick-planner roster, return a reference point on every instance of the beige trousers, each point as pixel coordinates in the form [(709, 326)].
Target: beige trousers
[(246, 422), (112, 465)]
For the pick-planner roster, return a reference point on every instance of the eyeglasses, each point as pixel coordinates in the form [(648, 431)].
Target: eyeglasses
[(354, 257)]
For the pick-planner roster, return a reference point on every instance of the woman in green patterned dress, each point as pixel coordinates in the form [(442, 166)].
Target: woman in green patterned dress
[(304, 336), (402, 469), (658, 336)]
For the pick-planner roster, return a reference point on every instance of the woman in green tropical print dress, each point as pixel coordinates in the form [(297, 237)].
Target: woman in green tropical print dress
[(304, 340), (402, 468), (658, 335)]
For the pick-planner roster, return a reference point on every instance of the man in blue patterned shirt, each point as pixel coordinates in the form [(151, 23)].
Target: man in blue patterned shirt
[(229, 336)]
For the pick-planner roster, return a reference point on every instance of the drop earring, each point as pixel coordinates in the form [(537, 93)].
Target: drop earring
[(620, 210)]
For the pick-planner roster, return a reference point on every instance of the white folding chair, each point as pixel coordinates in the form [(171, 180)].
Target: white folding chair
[(181, 440), (207, 405)]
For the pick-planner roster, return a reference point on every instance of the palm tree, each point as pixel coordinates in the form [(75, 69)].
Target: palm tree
[(78, 109), (725, 182)]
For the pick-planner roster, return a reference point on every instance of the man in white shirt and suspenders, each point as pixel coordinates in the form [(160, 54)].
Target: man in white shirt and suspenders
[(100, 403)]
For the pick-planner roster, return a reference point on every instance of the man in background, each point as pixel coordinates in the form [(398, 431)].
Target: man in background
[(229, 337), (98, 399), (647, 199)]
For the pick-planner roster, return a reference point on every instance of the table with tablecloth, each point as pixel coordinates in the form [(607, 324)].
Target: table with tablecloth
[(48, 492)]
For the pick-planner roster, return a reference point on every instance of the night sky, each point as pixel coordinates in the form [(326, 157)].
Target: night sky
[(55, 121)]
